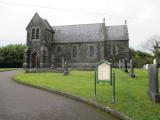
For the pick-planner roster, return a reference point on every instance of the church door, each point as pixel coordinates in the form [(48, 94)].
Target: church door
[(35, 60)]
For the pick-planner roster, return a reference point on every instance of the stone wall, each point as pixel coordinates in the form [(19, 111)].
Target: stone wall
[(115, 50), (83, 58)]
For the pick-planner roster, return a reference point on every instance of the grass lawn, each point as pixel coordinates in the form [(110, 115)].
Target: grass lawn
[(131, 97), (4, 69)]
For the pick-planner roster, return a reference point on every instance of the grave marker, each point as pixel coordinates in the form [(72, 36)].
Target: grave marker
[(153, 86), (66, 72), (131, 74), (125, 66)]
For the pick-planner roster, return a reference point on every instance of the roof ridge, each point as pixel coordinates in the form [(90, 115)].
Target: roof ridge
[(77, 24), (115, 25)]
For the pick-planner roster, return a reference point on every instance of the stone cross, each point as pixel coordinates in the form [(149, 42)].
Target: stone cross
[(125, 66), (131, 74), (153, 87)]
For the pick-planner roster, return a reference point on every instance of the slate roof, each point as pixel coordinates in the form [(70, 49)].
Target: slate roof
[(78, 33), (119, 32), (89, 33)]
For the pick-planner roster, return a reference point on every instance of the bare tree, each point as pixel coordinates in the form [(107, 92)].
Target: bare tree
[(152, 45)]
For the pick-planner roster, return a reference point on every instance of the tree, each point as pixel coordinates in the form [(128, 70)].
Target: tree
[(152, 45), (12, 55), (140, 58)]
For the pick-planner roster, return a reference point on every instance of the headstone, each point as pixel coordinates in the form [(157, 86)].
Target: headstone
[(153, 87), (120, 64), (147, 66), (125, 66), (154, 61), (131, 74), (66, 72)]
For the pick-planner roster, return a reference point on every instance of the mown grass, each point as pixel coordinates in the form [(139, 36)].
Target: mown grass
[(5, 69), (131, 97)]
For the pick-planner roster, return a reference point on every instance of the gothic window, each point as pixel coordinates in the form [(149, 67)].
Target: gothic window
[(74, 52), (33, 33), (37, 33), (91, 51), (114, 50)]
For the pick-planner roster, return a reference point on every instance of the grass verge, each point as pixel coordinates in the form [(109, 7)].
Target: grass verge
[(131, 97)]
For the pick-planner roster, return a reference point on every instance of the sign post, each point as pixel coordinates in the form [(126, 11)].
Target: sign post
[(113, 88), (95, 84), (104, 74)]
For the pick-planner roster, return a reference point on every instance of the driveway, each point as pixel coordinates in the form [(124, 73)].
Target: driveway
[(19, 102)]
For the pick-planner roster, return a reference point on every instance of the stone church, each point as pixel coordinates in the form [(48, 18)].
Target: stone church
[(81, 45)]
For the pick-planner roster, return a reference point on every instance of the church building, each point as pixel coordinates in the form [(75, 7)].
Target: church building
[(81, 45)]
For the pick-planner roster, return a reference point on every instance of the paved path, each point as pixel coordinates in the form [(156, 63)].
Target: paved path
[(19, 102)]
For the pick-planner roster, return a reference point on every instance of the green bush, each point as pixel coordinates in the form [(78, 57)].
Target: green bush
[(11, 56)]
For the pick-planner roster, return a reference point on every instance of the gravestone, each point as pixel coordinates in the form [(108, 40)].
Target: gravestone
[(125, 66), (147, 66), (120, 64), (154, 61), (153, 87), (131, 74), (66, 71)]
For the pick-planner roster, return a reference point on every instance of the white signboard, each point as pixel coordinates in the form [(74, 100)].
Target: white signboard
[(104, 72)]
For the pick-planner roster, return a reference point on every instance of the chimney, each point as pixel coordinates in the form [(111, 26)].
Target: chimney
[(125, 22), (104, 20)]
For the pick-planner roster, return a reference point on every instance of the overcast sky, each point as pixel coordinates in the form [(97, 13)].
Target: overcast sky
[(143, 16)]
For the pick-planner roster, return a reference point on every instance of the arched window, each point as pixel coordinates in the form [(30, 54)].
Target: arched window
[(74, 52), (59, 51), (91, 51), (33, 33), (37, 33)]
